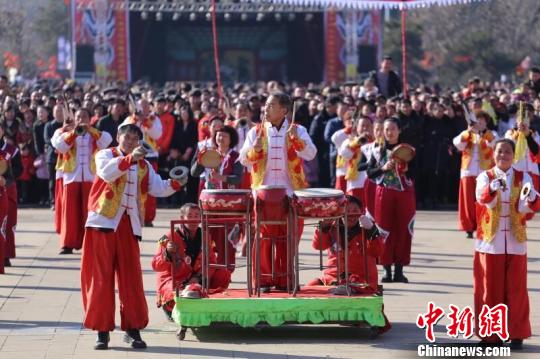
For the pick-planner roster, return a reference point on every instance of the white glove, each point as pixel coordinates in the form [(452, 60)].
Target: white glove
[(366, 222), (495, 185)]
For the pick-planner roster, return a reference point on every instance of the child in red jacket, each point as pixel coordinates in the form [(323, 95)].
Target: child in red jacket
[(184, 249)]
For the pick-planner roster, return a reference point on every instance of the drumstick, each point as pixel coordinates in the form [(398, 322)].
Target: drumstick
[(293, 113), (67, 110)]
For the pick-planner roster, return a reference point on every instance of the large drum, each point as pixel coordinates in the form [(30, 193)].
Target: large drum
[(319, 202), (225, 200), (273, 202)]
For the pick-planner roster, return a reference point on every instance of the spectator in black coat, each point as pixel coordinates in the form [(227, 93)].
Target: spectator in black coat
[(316, 131), (386, 79), (111, 122), (50, 153), (435, 156)]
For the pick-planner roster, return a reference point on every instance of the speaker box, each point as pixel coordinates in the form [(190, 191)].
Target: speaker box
[(84, 60), (367, 58)]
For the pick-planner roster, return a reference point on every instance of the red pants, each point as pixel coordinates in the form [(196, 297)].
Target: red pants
[(502, 278), (58, 193), (246, 181), (74, 213), (3, 221), (360, 194), (536, 181), (394, 213), (341, 183), (279, 257), (11, 223), (217, 236), (151, 203), (369, 196), (467, 204), (106, 254)]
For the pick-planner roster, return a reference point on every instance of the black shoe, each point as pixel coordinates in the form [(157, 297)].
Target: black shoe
[(484, 344), (102, 341), (66, 250), (470, 234), (7, 262), (168, 314), (265, 289), (133, 337), (400, 279), (516, 344), (148, 224), (387, 278), (398, 274)]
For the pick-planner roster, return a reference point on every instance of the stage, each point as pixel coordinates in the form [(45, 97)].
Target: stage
[(312, 305)]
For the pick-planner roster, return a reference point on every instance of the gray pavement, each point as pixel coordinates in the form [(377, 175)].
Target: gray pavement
[(41, 310)]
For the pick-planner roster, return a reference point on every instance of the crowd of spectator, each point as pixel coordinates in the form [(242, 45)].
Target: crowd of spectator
[(429, 116)]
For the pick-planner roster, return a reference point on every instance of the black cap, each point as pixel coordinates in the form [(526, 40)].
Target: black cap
[(195, 92), (387, 57), (160, 99)]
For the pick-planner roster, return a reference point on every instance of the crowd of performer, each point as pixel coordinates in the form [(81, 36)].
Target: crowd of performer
[(101, 157)]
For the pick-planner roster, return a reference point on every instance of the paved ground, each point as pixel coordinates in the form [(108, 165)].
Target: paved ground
[(40, 303)]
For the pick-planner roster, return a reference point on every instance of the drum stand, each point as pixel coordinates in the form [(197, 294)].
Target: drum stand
[(296, 253), (215, 219), (258, 238)]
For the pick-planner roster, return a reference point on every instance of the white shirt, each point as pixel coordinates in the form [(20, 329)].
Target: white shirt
[(338, 138), (107, 169), (526, 164), (277, 170), (83, 145), (345, 151), (474, 167), (504, 241)]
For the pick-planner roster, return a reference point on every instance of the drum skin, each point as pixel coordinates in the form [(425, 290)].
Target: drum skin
[(319, 202), (225, 200)]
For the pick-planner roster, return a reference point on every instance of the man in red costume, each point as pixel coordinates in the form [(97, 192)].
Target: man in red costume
[(500, 258), (13, 157), (151, 127), (275, 150), (77, 145), (7, 178), (476, 145), (115, 212), (183, 248)]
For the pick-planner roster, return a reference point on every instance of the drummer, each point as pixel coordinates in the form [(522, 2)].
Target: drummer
[(395, 205), (362, 234), (184, 248), (215, 124), (276, 150), (228, 175)]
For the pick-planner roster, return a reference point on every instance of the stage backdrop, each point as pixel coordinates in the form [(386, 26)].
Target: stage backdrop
[(353, 43), (246, 53), (106, 32)]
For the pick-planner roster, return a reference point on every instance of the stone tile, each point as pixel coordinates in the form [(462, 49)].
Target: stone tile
[(41, 310)]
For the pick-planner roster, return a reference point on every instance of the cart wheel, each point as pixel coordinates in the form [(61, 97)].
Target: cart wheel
[(374, 332), (181, 333)]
